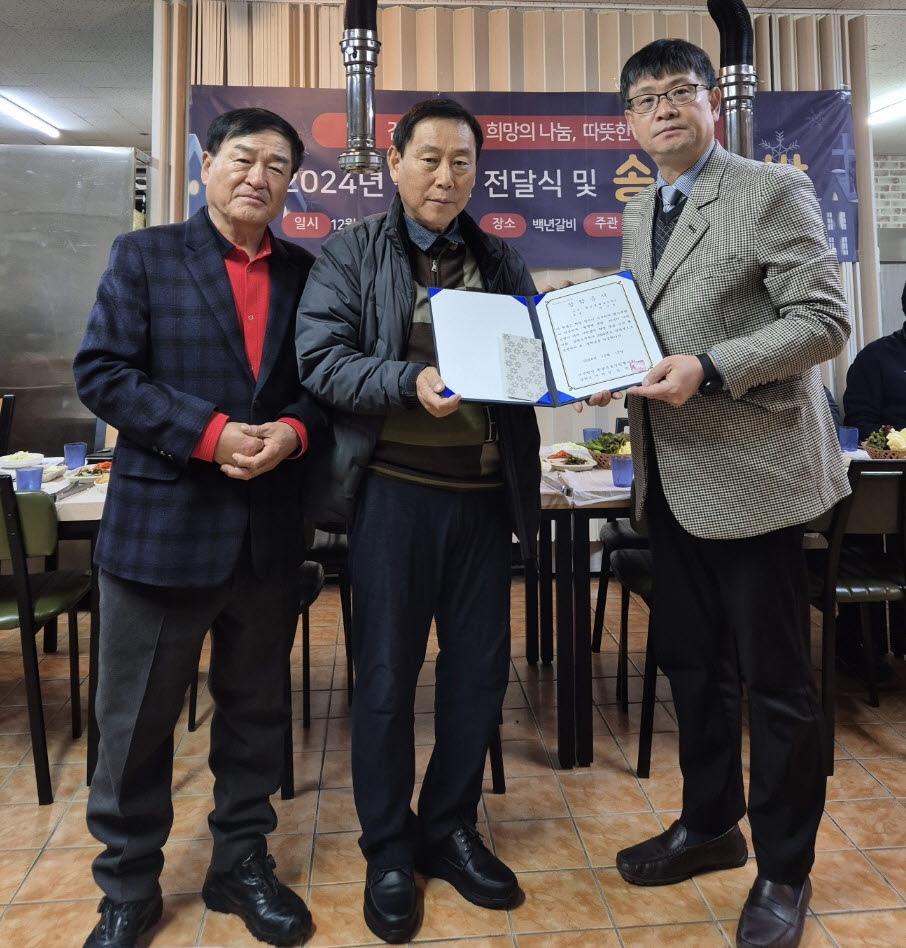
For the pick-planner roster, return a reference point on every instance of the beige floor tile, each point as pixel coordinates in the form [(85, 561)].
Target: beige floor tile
[(13, 747), (867, 929), (871, 823), (532, 845), (296, 816), (891, 863), (526, 798), (307, 769), (629, 722), (337, 769), (447, 915), (590, 794), (338, 859), (502, 941), (559, 901), (847, 882), (696, 935), (871, 740), (633, 905), (725, 892), (525, 758), (604, 836), (830, 836), (190, 817), (891, 772), (664, 788), (59, 875), (42, 925), (20, 786), (337, 914), (192, 776), (590, 938), (185, 864), (852, 780), (72, 829), (180, 923), (15, 865), (25, 826), (336, 812)]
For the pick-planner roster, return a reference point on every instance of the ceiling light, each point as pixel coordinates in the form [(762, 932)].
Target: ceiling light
[(16, 112)]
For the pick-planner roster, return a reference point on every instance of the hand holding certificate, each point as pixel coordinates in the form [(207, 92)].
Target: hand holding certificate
[(552, 349)]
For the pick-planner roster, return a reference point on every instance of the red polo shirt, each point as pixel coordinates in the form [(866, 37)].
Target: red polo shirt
[(250, 282)]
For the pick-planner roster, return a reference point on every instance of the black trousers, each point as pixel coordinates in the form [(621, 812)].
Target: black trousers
[(150, 641), (419, 552), (727, 610)]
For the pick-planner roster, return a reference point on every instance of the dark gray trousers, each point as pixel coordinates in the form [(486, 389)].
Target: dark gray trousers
[(418, 553), (150, 641)]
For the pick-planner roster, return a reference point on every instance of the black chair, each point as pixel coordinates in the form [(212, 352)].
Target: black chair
[(876, 506), (7, 404), (633, 570), (328, 545), (29, 600), (311, 581), (618, 534)]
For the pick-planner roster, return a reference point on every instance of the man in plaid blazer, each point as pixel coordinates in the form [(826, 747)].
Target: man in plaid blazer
[(189, 353), (734, 449)]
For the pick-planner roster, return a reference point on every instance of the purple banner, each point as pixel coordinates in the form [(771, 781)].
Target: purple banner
[(555, 172)]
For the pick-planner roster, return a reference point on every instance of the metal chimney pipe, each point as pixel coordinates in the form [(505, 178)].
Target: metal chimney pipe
[(737, 78), (360, 48)]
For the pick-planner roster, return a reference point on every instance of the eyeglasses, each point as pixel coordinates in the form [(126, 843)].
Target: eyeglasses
[(678, 96)]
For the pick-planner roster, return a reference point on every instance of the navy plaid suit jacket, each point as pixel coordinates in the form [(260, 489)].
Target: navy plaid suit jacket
[(162, 350)]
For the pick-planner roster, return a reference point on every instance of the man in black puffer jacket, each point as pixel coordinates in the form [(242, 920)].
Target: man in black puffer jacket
[(431, 489)]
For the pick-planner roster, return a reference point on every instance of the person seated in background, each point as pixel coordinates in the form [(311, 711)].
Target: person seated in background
[(875, 395), (876, 383)]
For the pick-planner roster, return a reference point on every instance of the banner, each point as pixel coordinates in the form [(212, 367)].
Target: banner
[(555, 172)]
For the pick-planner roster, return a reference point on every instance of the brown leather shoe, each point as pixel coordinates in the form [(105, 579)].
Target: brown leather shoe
[(667, 859), (773, 915)]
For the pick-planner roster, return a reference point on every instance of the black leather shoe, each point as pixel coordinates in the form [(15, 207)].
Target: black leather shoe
[(773, 915), (463, 860), (666, 859), (122, 922), (391, 905), (272, 912)]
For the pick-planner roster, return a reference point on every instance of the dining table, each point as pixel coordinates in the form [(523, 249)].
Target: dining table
[(569, 501)]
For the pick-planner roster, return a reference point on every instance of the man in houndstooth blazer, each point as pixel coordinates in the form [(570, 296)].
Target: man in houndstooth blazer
[(734, 449)]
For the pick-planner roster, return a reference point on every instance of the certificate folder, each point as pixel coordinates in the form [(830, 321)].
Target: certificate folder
[(547, 350)]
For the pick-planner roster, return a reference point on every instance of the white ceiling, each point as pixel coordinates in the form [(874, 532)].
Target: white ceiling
[(85, 65)]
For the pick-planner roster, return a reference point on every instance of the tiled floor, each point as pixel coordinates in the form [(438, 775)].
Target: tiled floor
[(559, 830)]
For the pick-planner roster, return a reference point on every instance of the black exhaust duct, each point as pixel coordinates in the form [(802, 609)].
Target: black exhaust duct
[(360, 48), (737, 78)]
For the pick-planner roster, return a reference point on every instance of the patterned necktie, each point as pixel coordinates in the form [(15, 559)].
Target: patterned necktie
[(671, 206)]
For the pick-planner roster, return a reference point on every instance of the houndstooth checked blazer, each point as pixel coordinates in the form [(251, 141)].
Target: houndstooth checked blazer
[(748, 276)]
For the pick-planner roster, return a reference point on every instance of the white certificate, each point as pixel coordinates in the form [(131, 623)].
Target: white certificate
[(595, 336)]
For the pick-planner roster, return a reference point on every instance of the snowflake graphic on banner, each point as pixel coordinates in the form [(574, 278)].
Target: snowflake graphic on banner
[(780, 148)]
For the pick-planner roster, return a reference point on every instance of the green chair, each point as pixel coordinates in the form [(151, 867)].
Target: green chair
[(29, 600)]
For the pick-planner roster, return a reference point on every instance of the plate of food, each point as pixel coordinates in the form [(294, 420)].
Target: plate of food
[(564, 461), (21, 459), (53, 471), (89, 473)]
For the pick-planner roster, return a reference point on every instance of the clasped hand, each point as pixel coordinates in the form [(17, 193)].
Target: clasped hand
[(245, 451)]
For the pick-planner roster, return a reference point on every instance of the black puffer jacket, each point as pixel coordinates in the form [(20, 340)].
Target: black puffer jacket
[(351, 339)]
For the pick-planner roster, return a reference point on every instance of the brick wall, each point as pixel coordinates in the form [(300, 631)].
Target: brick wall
[(890, 190)]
